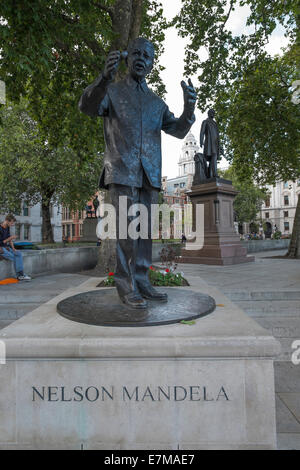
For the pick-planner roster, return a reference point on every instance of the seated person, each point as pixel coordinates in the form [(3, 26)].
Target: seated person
[(7, 249)]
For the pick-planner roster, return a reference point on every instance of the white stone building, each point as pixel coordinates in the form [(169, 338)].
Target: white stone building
[(186, 161), (186, 169), (29, 223), (279, 209)]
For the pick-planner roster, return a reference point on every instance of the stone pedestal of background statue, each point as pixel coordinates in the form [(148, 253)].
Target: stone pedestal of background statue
[(89, 229), (222, 245)]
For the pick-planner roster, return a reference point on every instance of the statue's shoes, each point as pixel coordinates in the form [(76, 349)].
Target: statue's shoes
[(134, 300), (148, 292)]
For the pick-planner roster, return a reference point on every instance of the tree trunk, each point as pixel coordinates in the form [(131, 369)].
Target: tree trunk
[(294, 249), (136, 19), (126, 22), (121, 23), (47, 232)]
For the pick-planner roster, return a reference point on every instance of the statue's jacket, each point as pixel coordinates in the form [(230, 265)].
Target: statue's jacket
[(210, 129), (134, 117)]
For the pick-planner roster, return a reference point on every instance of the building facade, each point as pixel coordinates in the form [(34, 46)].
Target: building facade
[(186, 168), (72, 223), (278, 212), (175, 190), (28, 226)]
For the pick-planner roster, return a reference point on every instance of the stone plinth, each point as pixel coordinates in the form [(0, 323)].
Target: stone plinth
[(222, 244), (206, 385), (89, 229)]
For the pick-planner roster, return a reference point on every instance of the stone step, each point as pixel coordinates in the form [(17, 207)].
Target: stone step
[(280, 326), (260, 296), (25, 297), (13, 311), (4, 323), (255, 307)]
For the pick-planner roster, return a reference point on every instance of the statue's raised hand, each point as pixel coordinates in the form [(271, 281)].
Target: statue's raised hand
[(111, 65), (189, 96)]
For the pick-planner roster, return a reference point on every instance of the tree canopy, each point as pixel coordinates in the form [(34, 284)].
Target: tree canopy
[(248, 201), (250, 90), (31, 169), (50, 51)]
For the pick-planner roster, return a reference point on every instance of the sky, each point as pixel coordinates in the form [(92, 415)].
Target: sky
[(173, 60)]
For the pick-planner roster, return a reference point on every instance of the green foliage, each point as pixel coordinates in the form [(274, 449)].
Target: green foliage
[(31, 168), (261, 122), (250, 197), (250, 90), (109, 281), (50, 51), (157, 278), (277, 235), (206, 26), (166, 278)]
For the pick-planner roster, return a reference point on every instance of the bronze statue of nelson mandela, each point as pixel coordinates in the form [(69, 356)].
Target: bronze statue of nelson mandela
[(134, 117)]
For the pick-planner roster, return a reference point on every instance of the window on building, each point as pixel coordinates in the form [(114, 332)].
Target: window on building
[(182, 185), (68, 230), (18, 211), (73, 230), (267, 202), (18, 231), (176, 184), (286, 185), (80, 230), (286, 213), (267, 215), (286, 226), (286, 200), (298, 183), (25, 209), (26, 232)]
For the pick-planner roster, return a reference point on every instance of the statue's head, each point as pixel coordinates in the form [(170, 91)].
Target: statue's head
[(211, 113), (140, 58)]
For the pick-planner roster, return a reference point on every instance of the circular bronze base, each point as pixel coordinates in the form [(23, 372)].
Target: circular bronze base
[(103, 307)]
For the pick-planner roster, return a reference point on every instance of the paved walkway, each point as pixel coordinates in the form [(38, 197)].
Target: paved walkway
[(268, 290), (18, 299)]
